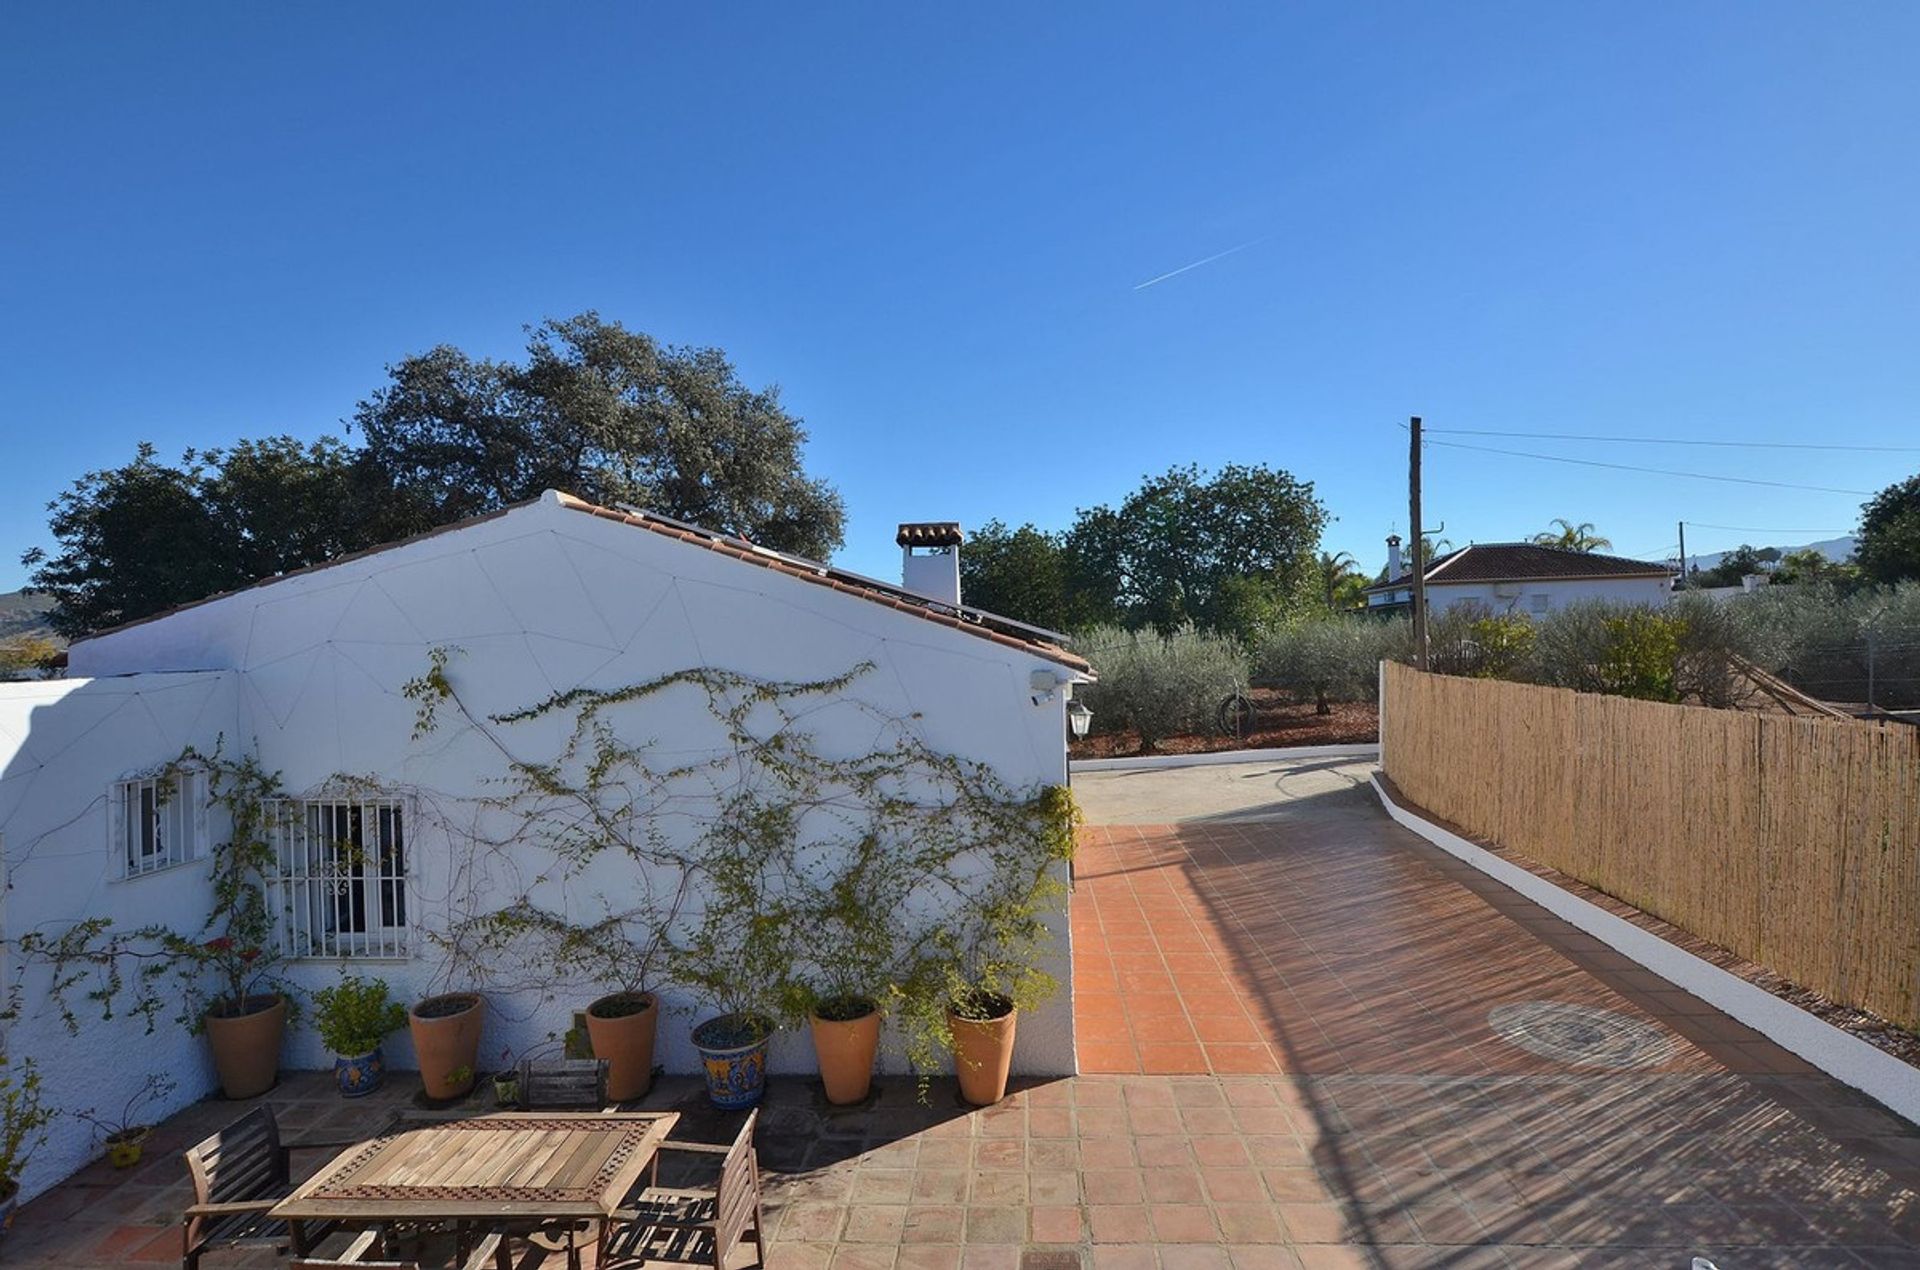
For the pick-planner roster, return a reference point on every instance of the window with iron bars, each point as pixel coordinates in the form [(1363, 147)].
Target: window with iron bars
[(339, 888), (157, 822)]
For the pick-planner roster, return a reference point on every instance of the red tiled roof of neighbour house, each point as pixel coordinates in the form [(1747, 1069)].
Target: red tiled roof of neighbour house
[(1000, 630), (1528, 562)]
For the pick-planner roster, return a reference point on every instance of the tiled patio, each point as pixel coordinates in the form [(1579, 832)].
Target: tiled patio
[(1317, 984)]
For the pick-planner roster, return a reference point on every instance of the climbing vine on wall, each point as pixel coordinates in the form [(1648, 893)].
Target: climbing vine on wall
[(756, 866), (140, 971)]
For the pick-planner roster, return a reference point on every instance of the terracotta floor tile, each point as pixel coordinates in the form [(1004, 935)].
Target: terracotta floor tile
[(1173, 1059), (1102, 1056)]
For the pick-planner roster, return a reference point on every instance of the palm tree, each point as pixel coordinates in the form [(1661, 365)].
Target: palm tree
[(1336, 573), (1572, 537)]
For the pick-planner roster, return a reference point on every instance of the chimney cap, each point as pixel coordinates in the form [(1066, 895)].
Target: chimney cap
[(931, 533), (1393, 540)]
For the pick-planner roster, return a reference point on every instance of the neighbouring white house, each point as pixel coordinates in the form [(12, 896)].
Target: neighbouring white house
[(309, 672), (1520, 577)]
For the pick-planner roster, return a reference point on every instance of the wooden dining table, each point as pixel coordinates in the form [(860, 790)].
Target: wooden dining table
[(508, 1170)]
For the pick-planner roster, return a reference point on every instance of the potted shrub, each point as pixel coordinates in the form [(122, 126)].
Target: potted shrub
[(23, 1129), (354, 1016), (446, 1042), (981, 1022), (737, 959), (846, 1039), (243, 1023), (125, 1136)]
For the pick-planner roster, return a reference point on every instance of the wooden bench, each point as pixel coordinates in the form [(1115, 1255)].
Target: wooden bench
[(694, 1225), (238, 1174)]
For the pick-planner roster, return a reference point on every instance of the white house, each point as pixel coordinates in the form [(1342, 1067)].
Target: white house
[(1520, 577), (308, 672)]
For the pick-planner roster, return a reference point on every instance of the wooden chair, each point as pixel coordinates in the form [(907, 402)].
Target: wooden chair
[(238, 1174), (354, 1257), (702, 1226), (490, 1250), (566, 1082)]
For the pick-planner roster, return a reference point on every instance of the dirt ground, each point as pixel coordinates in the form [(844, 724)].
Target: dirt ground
[(1277, 723)]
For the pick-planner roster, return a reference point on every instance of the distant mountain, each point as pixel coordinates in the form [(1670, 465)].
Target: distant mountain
[(1838, 550), (24, 615)]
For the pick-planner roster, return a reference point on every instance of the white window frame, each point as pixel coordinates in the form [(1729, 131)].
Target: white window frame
[(1539, 602), (330, 896), (157, 823)]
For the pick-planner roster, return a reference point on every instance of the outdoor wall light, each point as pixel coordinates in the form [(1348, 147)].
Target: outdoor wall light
[(1079, 719)]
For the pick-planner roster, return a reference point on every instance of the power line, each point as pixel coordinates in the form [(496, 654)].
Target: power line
[(1752, 529), (1652, 471), (1742, 445)]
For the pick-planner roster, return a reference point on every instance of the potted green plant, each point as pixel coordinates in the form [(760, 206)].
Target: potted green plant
[(446, 1042), (736, 959), (24, 1118), (125, 1135), (245, 1018), (354, 1017), (506, 1081)]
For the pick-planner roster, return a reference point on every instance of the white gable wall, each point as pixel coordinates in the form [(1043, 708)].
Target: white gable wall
[(543, 599)]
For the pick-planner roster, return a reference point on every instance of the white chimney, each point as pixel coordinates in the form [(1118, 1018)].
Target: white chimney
[(1393, 557), (930, 559)]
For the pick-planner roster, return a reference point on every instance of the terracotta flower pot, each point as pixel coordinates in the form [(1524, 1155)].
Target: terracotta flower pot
[(623, 1035), (983, 1055), (446, 1041), (846, 1049), (246, 1046)]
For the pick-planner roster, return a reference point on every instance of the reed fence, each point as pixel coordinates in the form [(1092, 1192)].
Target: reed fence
[(1794, 842)]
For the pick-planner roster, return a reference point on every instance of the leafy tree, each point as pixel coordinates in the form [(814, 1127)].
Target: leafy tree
[(1735, 565), (1889, 538), (1170, 554), (608, 414), (1019, 573), (139, 539), (1808, 565), (1572, 537)]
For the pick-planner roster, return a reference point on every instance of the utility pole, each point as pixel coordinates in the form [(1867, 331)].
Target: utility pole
[(1418, 545), (1683, 555)]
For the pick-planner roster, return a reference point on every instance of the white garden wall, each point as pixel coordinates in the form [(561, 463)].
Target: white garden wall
[(62, 745), (539, 600)]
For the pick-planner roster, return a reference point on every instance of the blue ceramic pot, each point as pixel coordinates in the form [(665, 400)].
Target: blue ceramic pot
[(733, 1050), (361, 1075)]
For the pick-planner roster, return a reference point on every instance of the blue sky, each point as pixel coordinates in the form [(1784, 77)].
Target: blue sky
[(929, 225)]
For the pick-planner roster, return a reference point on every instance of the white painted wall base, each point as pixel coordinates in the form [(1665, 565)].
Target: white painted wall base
[(1841, 1055), (1146, 762)]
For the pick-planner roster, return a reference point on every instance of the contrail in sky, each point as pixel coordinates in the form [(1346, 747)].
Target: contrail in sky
[(1205, 260)]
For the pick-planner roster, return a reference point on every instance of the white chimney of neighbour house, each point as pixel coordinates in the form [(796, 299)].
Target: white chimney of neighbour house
[(930, 559), (1393, 557)]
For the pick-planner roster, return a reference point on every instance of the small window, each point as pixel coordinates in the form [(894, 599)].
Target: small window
[(1539, 602), (340, 883), (159, 821)]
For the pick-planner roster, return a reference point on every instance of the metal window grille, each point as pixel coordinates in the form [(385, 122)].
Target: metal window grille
[(158, 822), (340, 888)]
